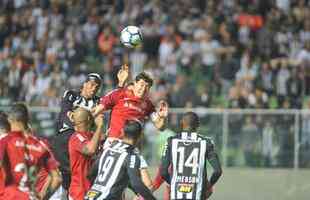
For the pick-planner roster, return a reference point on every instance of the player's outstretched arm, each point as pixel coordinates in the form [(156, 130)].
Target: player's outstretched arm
[(159, 117), (91, 147), (123, 75), (53, 184), (135, 180)]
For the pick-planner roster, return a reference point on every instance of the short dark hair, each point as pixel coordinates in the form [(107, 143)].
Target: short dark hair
[(4, 122), (192, 120), (132, 129), (19, 112), (144, 76), (94, 77)]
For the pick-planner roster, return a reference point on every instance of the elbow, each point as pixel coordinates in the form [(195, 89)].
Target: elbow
[(91, 151), (218, 173)]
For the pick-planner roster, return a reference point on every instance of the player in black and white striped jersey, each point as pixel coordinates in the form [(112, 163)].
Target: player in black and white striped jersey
[(119, 165), (187, 154)]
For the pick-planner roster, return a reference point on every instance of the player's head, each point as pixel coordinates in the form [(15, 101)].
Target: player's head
[(19, 115), (4, 123), (132, 130), (82, 118), (142, 84), (190, 121), (91, 85)]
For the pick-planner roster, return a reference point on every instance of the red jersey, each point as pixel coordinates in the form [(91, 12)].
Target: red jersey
[(3, 138), (50, 164), (14, 154), (124, 106), (79, 164)]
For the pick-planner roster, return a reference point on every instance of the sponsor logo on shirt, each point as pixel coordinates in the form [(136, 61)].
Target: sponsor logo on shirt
[(28, 146), (132, 106)]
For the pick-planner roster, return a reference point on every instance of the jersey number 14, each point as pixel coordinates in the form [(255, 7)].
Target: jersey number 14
[(190, 162)]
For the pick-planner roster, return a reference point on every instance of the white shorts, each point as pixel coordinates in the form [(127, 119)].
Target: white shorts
[(60, 194), (108, 143)]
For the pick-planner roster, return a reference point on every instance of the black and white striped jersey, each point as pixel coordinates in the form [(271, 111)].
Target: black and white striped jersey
[(117, 167), (70, 100), (187, 155)]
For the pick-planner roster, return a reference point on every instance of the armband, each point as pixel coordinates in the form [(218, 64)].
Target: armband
[(155, 116)]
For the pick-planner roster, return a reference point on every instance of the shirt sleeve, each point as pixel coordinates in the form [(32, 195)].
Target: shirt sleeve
[(51, 162), (110, 99), (67, 100), (77, 142), (165, 162), (135, 180)]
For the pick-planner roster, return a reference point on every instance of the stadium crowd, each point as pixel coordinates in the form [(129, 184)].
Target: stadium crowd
[(224, 53)]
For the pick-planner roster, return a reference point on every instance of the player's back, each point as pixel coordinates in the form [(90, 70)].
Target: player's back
[(17, 160), (112, 177), (188, 161)]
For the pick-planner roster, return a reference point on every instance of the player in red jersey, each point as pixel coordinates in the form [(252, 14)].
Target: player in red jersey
[(132, 103), (49, 177), (15, 155), (82, 145), (4, 129), (25, 154)]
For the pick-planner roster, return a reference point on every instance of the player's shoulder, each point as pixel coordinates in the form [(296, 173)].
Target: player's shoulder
[(209, 140), (77, 137), (118, 90), (70, 94), (133, 158)]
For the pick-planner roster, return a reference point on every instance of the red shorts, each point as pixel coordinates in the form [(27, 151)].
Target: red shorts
[(76, 193), (13, 193)]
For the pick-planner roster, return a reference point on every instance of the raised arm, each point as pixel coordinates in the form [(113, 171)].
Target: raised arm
[(159, 117), (91, 147), (123, 75)]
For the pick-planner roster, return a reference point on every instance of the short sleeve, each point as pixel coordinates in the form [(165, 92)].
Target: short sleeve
[(77, 142), (143, 163), (111, 98), (51, 162)]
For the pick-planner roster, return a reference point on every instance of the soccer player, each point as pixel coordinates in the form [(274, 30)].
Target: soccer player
[(117, 166), (83, 144), (23, 154), (85, 98), (187, 154), (4, 130), (132, 103), (48, 179)]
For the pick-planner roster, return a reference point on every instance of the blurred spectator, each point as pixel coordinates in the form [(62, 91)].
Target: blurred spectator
[(269, 146), (224, 48)]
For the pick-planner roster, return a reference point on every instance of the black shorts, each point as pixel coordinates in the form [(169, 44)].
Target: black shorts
[(59, 145)]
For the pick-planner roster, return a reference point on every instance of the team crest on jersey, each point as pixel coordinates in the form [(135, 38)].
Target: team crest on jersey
[(92, 195), (185, 187)]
